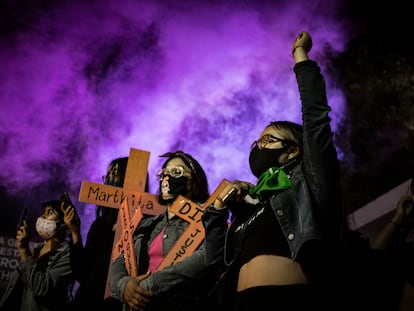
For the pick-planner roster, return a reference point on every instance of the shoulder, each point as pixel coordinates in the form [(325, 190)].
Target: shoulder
[(147, 221), (63, 248)]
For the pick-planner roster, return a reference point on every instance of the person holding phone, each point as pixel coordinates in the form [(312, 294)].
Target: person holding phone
[(43, 279)]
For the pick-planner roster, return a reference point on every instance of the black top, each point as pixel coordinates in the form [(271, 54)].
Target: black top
[(260, 235)]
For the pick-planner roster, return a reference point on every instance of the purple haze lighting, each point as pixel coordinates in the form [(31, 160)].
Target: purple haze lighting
[(83, 82)]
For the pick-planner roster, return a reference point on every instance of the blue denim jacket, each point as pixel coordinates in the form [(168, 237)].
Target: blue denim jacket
[(188, 274), (312, 209), (43, 289)]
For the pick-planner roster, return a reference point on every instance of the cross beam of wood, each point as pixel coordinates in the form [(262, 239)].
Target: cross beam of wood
[(117, 197), (194, 235), (133, 189)]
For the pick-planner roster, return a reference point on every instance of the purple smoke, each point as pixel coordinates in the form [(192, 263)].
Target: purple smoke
[(84, 81)]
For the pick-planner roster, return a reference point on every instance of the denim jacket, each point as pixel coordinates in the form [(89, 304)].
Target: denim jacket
[(44, 289), (186, 276), (312, 209)]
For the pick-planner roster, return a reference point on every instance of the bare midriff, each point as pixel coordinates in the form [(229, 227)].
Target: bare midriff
[(266, 270)]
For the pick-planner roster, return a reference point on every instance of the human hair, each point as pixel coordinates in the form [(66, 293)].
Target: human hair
[(199, 184), (110, 214), (121, 164), (55, 205), (60, 225), (291, 133)]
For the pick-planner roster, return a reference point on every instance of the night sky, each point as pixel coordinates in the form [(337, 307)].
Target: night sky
[(84, 81)]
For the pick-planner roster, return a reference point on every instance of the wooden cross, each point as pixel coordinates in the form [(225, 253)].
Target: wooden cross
[(133, 189), (140, 203), (145, 203), (193, 236)]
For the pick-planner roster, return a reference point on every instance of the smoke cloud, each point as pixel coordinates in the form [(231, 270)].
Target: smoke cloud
[(84, 81)]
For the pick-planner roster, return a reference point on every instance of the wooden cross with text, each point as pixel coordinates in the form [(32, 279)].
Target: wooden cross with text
[(131, 200), (139, 202), (193, 236)]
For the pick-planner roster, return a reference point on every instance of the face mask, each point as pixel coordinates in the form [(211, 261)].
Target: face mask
[(171, 187), (46, 228), (262, 159)]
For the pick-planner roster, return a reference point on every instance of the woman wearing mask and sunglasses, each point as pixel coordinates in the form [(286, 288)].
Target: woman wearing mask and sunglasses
[(183, 285), (285, 229)]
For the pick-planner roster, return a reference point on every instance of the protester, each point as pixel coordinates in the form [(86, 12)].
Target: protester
[(43, 280), (91, 262), (286, 228), (407, 297), (394, 249), (183, 285)]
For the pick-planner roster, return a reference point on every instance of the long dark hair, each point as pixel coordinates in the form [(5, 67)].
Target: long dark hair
[(109, 214), (199, 184)]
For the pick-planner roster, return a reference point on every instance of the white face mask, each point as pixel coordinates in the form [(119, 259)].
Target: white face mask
[(46, 228)]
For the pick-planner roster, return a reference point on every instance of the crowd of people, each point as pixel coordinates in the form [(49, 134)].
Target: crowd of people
[(280, 244)]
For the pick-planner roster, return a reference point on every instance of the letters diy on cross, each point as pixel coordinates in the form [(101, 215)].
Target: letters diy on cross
[(193, 236)]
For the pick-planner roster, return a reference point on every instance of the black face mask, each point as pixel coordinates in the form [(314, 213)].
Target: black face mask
[(174, 186), (262, 159)]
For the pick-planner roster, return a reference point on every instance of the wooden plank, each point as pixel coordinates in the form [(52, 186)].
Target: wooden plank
[(194, 235)]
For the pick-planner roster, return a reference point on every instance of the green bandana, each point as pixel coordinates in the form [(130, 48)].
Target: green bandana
[(272, 180)]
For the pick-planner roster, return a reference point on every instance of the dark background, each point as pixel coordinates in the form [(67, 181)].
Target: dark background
[(377, 75)]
